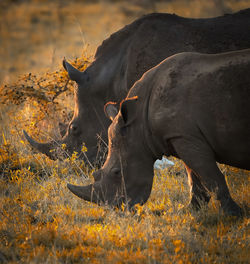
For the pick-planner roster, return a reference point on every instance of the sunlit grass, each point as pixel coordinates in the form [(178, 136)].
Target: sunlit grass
[(35, 35), (41, 221)]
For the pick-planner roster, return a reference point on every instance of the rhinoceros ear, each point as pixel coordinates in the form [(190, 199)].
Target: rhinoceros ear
[(110, 110), (74, 74), (128, 109)]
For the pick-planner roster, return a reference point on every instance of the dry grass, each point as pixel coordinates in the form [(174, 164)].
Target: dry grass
[(36, 34), (40, 220)]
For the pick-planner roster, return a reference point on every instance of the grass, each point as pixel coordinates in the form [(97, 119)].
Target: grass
[(42, 222), (36, 34)]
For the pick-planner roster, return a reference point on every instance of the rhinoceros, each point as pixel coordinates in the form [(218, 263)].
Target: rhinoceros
[(126, 55), (192, 106)]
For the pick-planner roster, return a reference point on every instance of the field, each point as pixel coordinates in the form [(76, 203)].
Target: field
[(40, 220)]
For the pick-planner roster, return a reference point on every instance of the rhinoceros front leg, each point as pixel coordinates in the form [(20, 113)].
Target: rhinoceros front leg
[(199, 157), (199, 194)]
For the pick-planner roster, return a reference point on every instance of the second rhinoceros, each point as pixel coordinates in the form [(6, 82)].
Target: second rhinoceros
[(192, 106)]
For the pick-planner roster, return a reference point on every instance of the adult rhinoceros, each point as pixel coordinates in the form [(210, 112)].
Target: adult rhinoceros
[(126, 55), (192, 106)]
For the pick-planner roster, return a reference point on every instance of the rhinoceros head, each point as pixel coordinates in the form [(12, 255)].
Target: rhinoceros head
[(126, 176), (87, 125)]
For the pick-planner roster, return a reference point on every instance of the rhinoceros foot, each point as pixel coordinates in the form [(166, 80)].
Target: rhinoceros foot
[(231, 208)]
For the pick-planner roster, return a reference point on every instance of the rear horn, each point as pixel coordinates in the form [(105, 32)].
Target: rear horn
[(74, 74)]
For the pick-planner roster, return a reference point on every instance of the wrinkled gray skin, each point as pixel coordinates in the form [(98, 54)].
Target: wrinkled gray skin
[(192, 106), (125, 56)]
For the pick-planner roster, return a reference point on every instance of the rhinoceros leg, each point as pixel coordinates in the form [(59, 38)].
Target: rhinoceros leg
[(199, 195), (200, 158), (215, 181)]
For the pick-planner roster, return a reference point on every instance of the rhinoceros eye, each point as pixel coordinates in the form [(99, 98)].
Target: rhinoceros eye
[(73, 128), (115, 171)]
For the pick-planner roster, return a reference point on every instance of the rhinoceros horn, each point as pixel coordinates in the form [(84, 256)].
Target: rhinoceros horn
[(45, 148), (91, 193), (74, 73)]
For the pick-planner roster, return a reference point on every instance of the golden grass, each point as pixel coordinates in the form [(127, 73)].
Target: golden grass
[(42, 222), (36, 34)]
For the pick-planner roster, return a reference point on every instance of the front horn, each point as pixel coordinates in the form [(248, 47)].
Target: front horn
[(92, 193), (44, 148)]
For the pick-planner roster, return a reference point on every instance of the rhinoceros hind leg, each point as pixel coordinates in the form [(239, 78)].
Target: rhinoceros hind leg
[(214, 181), (200, 158), (230, 207), (199, 195)]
